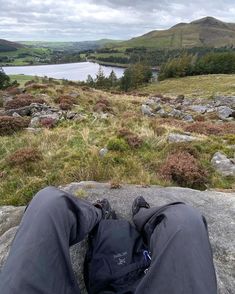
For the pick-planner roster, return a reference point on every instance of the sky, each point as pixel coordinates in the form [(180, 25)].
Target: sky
[(80, 20)]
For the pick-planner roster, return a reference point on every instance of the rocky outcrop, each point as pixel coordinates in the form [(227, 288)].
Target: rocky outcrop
[(28, 110), (222, 106), (224, 165), (10, 216), (219, 209)]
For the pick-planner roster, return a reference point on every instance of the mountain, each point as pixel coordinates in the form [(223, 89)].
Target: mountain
[(6, 46), (205, 32)]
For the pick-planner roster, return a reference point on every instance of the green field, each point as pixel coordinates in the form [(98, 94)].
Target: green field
[(25, 56), (204, 86), (21, 79)]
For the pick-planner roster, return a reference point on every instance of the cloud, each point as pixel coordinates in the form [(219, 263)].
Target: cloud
[(77, 20)]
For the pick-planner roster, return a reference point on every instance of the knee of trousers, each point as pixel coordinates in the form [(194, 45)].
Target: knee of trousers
[(186, 216), (48, 200)]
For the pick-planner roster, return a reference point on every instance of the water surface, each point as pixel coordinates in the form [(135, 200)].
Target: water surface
[(70, 71)]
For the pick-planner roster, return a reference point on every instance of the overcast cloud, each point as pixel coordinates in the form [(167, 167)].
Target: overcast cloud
[(79, 20)]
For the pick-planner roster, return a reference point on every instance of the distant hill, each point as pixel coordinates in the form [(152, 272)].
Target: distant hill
[(71, 46), (205, 32), (6, 46)]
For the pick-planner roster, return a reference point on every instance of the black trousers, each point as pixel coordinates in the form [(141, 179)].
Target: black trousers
[(39, 259)]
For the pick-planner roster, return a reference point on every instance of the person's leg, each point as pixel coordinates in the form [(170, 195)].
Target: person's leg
[(182, 259), (39, 259)]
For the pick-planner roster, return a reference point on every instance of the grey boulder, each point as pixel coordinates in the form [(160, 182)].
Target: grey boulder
[(188, 118), (224, 112), (103, 152), (223, 165), (199, 108), (225, 101), (146, 110), (176, 113), (174, 137)]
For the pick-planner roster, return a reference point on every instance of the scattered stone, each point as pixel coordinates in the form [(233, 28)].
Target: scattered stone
[(224, 112), (80, 117), (54, 116), (15, 114), (225, 101), (223, 165), (153, 103), (35, 122), (146, 110), (70, 114), (74, 95), (176, 113), (103, 152), (178, 107), (179, 99), (174, 138), (2, 112), (28, 110), (199, 108), (188, 118), (162, 113)]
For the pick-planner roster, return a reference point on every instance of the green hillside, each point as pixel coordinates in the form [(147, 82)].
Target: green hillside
[(205, 32), (6, 46)]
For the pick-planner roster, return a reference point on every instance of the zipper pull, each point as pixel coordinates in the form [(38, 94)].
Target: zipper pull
[(147, 255)]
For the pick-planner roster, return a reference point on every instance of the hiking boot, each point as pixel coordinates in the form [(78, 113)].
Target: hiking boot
[(105, 207), (138, 203)]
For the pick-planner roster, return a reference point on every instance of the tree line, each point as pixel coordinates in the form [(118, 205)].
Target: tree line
[(153, 57), (189, 65), (134, 76)]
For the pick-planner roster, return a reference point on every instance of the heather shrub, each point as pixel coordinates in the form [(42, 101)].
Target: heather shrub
[(37, 86), (204, 128), (67, 98), (10, 125), (13, 91), (102, 105), (24, 156), (65, 102), (23, 100), (66, 105), (200, 117), (133, 140), (183, 147), (229, 128), (183, 168)]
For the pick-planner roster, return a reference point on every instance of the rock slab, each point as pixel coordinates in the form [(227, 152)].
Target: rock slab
[(219, 209)]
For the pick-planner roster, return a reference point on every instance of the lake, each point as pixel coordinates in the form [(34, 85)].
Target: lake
[(71, 71)]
